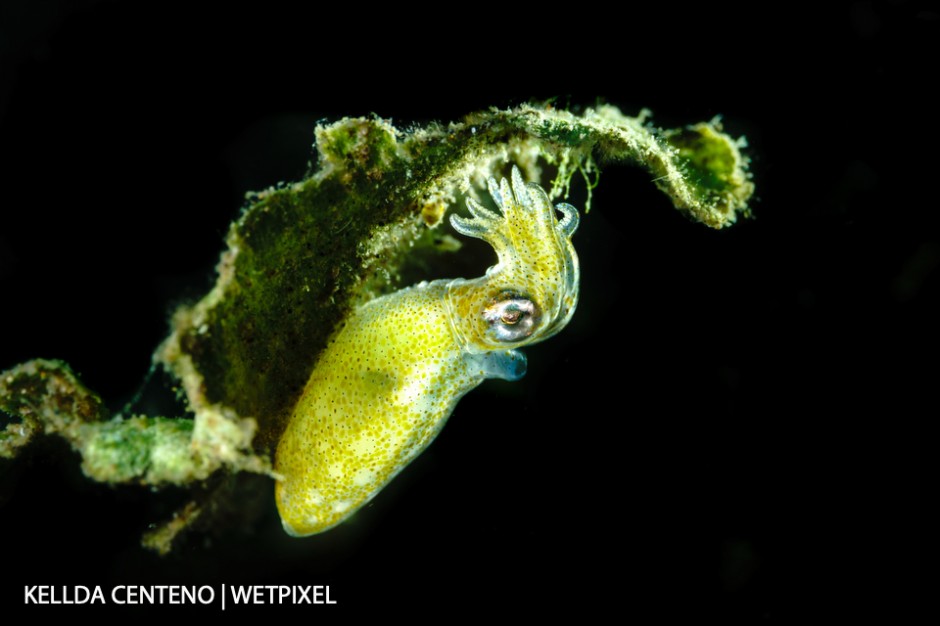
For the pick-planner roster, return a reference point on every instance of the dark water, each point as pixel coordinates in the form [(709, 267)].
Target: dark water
[(733, 425)]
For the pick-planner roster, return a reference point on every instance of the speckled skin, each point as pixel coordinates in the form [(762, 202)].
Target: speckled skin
[(394, 371)]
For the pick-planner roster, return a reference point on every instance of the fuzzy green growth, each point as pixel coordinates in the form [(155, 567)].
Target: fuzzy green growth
[(45, 397), (148, 450), (712, 165), (48, 399)]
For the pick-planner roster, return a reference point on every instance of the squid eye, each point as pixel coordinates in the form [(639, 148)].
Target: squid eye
[(511, 317)]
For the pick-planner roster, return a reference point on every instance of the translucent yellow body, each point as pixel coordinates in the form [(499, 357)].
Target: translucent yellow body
[(393, 372)]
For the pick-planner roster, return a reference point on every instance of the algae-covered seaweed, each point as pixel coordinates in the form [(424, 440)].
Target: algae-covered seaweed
[(301, 255)]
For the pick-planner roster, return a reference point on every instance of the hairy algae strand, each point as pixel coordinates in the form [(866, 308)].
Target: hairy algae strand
[(300, 257)]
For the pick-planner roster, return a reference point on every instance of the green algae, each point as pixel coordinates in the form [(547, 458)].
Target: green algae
[(300, 256)]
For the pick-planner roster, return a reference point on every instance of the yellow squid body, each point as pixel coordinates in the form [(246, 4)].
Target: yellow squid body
[(394, 371)]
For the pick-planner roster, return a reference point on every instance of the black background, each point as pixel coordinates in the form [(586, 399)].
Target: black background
[(734, 424)]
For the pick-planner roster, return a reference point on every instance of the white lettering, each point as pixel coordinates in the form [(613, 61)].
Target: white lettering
[(321, 595), (177, 594), (241, 594), (206, 590), (49, 594), (162, 594), (281, 594)]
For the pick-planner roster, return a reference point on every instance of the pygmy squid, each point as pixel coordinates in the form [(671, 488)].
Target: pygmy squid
[(394, 370)]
